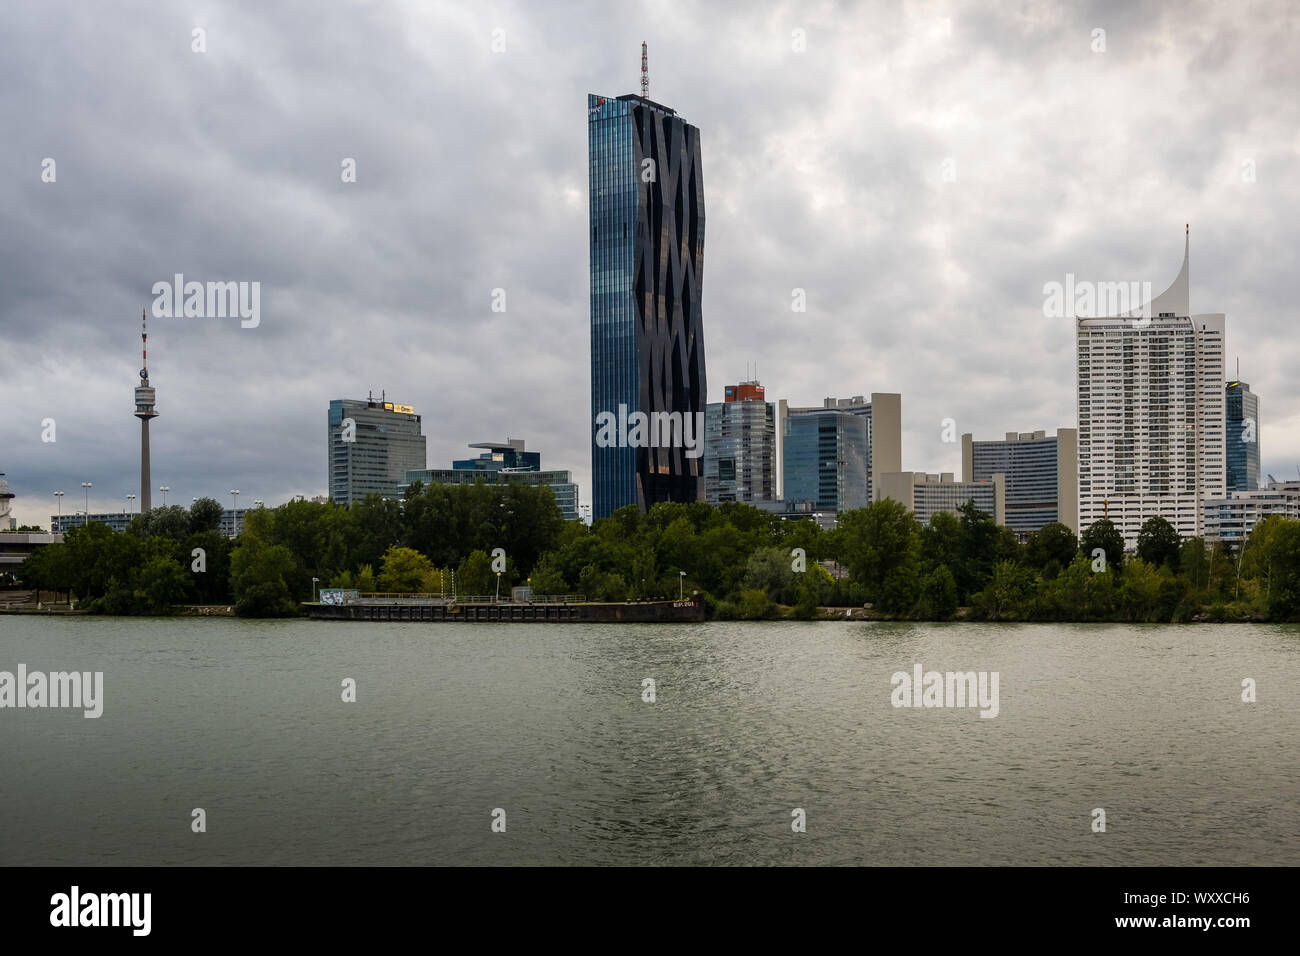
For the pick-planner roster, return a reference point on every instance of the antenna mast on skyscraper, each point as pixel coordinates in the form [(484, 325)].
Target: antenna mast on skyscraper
[(645, 71)]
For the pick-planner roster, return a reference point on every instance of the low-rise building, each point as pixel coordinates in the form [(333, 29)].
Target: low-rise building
[(925, 495), (502, 463), (1232, 519)]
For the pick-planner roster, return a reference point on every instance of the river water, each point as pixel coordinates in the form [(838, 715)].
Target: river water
[(751, 722)]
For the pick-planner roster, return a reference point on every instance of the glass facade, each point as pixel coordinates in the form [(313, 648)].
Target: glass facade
[(824, 460), (646, 272), (560, 482), (387, 444), (739, 451), (857, 405), (500, 464), (1242, 437), (1030, 466)]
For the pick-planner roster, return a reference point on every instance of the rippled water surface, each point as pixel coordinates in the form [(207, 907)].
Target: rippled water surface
[(547, 722)]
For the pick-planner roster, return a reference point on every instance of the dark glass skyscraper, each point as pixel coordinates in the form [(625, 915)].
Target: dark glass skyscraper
[(647, 336), (1242, 437)]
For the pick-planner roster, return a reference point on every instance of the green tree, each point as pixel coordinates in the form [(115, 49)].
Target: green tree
[(941, 542), (205, 515), (880, 546), (1282, 559), (1158, 542), (259, 578), (475, 577), (1141, 590), (1194, 562), (1009, 594), (1052, 542), (547, 579), (1065, 597), (768, 570), (938, 600), (977, 550), (366, 580), (755, 605), (598, 585), (1103, 534), (171, 521), (211, 585), (161, 584), (403, 570)]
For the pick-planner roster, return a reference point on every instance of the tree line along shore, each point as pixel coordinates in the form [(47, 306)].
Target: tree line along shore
[(744, 562)]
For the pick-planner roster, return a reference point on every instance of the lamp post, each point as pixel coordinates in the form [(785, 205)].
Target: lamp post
[(681, 583), (58, 497), (86, 486), (498, 597), (259, 503), (313, 588), (234, 510), (164, 489), (129, 499)]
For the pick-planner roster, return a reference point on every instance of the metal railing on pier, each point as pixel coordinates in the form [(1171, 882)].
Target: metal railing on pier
[(391, 597)]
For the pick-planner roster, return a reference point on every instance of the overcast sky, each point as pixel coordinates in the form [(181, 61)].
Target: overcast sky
[(824, 169)]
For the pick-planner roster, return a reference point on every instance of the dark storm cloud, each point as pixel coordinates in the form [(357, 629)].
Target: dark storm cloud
[(823, 171)]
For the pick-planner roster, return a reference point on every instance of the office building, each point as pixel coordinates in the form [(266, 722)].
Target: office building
[(1242, 437), (1151, 414), (647, 336), (825, 455), (1042, 481), (116, 520), (372, 444), (883, 416), (925, 495), (120, 520), (740, 446), (509, 455), (504, 463), (1233, 517), (17, 547)]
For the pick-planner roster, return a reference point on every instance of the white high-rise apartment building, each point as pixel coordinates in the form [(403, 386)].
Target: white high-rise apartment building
[(1152, 414)]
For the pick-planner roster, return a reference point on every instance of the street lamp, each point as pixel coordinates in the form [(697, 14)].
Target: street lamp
[(234, 510), (681, 581), (313, 588), (58, 496), (259, 503), (129, 499), (164, 489), (86, 486), (498, 597)]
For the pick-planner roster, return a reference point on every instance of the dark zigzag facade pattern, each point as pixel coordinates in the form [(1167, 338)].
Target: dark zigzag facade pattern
[(667, 282)]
